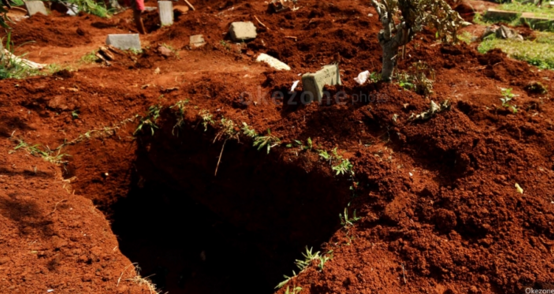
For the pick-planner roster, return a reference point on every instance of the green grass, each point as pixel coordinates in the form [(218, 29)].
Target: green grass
[(521, 8), (89, 57), (539, 52)]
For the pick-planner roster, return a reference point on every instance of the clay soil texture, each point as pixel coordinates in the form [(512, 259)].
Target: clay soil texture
[(108, 178)]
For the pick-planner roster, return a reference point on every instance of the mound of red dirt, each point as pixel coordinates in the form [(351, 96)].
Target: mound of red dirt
[(439, 207)]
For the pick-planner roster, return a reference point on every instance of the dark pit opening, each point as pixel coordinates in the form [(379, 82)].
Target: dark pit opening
[(237, 232)]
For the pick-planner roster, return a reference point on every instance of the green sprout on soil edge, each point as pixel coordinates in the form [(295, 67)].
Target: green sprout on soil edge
[(149, 120), (269, 141), (207, 119), (35, 150), (346, 221)]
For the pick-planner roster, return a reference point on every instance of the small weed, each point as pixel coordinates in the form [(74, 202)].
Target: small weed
[(269, 141), (207, 119), (149, 120), (404, 81), (89, 57), (294, 290), (375, 77), (135, 51), (309, 256), (180, 107), (298, 143), (286, 280), (248, 131), (346, 221), (225, 44), (325, 155), (227, 130), (75, 114), (344, 166), (507, 96), (35, 150)]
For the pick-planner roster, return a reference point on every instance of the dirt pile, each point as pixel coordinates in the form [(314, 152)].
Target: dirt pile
[(439, 207)]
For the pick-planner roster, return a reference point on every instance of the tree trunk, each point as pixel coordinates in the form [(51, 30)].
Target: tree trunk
[(390, 50)]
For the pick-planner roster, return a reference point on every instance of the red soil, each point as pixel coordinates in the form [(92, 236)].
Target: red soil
[(440, 211)]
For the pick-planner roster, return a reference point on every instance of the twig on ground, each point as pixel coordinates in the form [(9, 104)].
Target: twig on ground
[(190, 5), (220, 155), (261, 23)]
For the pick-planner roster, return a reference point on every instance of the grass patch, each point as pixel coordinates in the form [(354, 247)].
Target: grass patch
[(539, 52), (521, 8), (89, 57)]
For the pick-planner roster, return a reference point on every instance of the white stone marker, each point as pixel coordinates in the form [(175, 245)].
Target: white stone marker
[(124, 41), (165, 8), (314, 82), (34, 7)]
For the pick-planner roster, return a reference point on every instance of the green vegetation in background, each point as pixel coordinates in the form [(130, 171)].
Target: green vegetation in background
[(539, 52), (532, 8)]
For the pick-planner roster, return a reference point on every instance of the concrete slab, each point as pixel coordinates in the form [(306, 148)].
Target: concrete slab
[(197, 41), (314, 82), (501, 14), (34, 7), (242, 31), (538, 23), (273, 62), (165, 9), (124, 41)]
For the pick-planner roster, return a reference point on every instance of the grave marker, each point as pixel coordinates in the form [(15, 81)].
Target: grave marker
[(314, 82), (124, 41), (34, 7), (165, 9)]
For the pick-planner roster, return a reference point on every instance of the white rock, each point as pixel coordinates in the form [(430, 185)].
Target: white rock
[(273, 62), (362, 77)]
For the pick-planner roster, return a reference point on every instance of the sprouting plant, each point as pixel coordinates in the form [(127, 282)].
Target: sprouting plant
[(180, 108), (227, 130), (507, 96), (269, 141), (35, 150), (404, 81), (248, 131), (225, 45), (309, 256), (346, 221), (149, 120), (344, 166), (374, 77), (294, 290), (286, 280), (89, 57), (298, 143), (135, 51), (325, 155), (207, 118), (75, 114), (323, 259)]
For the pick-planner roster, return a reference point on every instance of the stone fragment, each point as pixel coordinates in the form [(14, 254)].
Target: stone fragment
[(273, 62), (242, 31), (197, 41)]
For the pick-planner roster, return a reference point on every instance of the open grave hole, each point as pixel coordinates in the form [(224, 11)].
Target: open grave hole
[(236, 232)]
